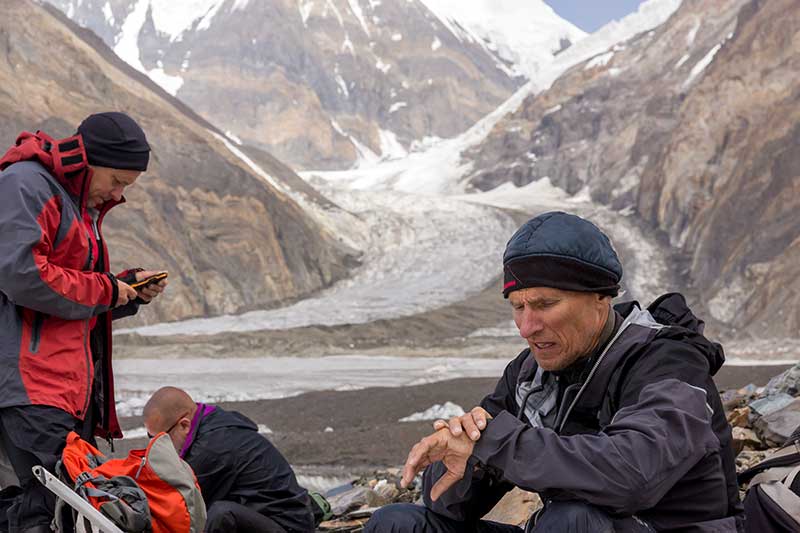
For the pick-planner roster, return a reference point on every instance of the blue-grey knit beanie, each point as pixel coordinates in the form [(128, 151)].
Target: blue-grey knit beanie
[(561, 251)]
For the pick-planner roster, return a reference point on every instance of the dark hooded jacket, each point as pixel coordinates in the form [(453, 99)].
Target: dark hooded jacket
[(643, 434), (233, 462)]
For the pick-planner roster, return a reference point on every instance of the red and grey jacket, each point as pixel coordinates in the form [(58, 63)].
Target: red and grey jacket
[(54, 303)]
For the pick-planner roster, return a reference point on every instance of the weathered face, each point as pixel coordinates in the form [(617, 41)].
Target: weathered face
[(108, 184), (560, 326), (178, 430)]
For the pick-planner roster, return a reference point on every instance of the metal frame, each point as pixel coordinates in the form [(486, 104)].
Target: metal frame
[(99, 522)]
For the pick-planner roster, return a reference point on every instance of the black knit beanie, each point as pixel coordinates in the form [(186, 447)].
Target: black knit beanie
[(561, 251), (115, 140)]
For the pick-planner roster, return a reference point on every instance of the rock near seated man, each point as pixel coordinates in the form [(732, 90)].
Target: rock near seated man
[(610, 414), (247, 485)]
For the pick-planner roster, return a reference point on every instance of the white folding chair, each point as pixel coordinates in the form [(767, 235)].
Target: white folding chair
[(88, 516)]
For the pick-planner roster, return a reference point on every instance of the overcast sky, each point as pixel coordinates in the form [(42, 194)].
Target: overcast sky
[(589, 15)]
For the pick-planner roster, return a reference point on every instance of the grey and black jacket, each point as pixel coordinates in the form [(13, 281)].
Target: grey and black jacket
[(645, 433)]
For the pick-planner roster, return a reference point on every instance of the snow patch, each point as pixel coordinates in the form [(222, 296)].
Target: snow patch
[(390, 146), (690, 37), (436, 44), (396, 37), (342, 85), (169, 83), (305, 8), (356, 9), (329, 5), (550, 111), (108, 14), (508, 329), (245, 379), (383, 67), (136, 433), (174, 18), (684, 58), (436, 412), (397, 106), (252, 165), (599, 61), (701, 65), (348, 45)]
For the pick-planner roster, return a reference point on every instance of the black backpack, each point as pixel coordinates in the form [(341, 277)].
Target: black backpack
[(772, 501)]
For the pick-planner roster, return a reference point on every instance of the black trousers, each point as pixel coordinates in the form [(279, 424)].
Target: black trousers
[(230, 517), (32, 435), (558, 517)]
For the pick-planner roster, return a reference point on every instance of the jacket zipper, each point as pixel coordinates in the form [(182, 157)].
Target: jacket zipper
[(589, 378), (36, 331), (88, 357), (91, 253), (141, 465)]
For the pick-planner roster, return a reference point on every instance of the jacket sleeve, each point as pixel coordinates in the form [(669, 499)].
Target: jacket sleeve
[(123, 311), (132, 307), (480, 490), (648, 447), (30, 217)]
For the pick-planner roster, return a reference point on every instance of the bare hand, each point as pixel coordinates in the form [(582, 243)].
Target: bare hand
[(442, 446), (154, 289), (471, 423), (125, 293)]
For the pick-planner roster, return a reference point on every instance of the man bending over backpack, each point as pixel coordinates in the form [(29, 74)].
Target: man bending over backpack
[(248, 486)]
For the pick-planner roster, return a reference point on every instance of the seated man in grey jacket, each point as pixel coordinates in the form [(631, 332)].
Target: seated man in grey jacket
[(610, 414)]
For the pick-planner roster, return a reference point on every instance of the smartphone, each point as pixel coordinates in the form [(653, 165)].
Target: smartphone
[(149, 281)]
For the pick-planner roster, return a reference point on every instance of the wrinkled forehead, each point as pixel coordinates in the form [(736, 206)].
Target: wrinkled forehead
[(534, 294)]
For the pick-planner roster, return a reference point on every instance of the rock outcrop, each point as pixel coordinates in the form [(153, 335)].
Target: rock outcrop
[(231, 240), (694, 127)]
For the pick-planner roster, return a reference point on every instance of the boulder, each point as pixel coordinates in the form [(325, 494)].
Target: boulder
[(769, 404), (787, 382), (515, 508), (738, 418), (354, 499), (745, 438), (777, 426)]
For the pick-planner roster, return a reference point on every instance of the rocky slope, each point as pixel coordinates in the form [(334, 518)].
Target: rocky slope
[(692, 126), (231, 240), (320, 84)]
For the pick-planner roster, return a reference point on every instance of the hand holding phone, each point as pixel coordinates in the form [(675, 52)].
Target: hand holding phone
[(150, 280)]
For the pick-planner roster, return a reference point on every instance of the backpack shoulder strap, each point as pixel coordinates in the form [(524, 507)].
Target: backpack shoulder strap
[(781, 461)]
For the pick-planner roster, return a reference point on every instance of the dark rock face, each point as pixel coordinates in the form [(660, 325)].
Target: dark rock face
[(694, 126), (317, 83), (230, 240)]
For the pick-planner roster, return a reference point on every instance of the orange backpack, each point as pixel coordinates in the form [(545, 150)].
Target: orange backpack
[(173, 503)]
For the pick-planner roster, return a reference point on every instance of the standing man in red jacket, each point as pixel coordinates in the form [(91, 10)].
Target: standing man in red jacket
[(58, 298)]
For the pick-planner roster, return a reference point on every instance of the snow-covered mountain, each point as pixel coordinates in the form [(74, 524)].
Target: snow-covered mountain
[(327, 83), (524, 33)]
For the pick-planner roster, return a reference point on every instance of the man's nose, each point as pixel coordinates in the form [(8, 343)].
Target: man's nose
[(530, 323)]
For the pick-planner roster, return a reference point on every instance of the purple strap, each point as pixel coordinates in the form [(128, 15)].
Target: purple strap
[(202, 411)]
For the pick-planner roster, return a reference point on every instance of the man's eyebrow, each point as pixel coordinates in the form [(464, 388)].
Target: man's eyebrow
[(539, 300), (119, 179)]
